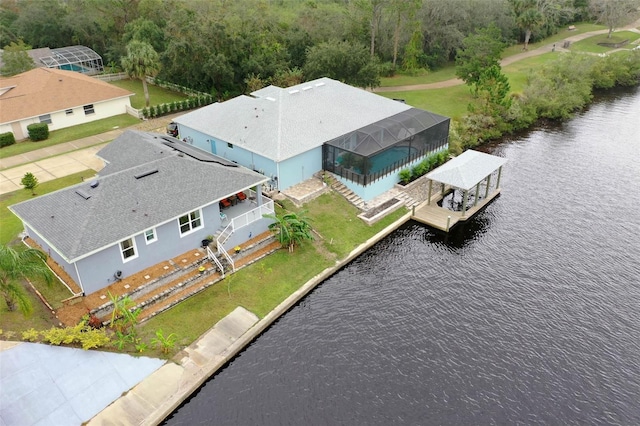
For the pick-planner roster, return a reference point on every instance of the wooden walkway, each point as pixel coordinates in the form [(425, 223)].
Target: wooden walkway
[(444, 219)]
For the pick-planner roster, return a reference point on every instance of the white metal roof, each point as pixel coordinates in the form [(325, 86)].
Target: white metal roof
[(467, 169)]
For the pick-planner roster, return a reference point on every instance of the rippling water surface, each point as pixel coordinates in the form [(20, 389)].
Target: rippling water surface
[(530, 313)]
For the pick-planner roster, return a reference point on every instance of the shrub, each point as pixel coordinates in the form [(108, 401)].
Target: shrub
[(38, 131), (7, 139), (405, 176)]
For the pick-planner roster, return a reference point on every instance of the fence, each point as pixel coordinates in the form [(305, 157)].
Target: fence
[(111, 77)]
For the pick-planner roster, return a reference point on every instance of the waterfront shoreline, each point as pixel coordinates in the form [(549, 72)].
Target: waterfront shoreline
[(155, 398)]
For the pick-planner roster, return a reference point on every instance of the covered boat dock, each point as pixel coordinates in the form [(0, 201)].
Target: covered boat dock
[(471, 173)]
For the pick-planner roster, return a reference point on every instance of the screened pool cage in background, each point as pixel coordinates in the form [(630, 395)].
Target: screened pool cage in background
[(379, 149)]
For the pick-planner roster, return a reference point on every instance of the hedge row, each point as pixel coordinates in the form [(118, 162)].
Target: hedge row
[(167, 108), (424, 167)]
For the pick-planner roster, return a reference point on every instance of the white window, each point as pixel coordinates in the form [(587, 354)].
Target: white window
[(88, 109), (150, 235), (45, 118), (69, 112), (190, 222), (128, 249)]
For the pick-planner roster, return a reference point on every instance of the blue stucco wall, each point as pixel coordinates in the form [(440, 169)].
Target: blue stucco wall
[(299, 168), (97, 271), (68, 267)]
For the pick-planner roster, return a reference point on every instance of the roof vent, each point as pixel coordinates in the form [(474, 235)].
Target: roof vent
[(307, 88), (145, 174), (94, 184), (269, 98), (293, 92), (319, 84), (83, 194)]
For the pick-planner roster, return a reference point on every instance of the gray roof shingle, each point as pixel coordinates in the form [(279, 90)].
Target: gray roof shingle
[(121, 205), (282, 123)]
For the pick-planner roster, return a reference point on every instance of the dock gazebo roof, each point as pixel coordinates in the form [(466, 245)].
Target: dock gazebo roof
[(466, 170)]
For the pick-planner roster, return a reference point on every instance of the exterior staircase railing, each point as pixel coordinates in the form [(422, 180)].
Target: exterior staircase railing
[(215, 260)]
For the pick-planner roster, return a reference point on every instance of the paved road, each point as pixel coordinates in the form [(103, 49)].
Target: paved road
[(509, 60)]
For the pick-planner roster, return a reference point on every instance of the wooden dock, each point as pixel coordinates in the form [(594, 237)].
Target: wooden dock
[(444, 219)]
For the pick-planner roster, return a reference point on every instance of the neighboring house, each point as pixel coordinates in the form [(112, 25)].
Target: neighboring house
[(59, 98), (290, 134), (156, 199), (71, 58)]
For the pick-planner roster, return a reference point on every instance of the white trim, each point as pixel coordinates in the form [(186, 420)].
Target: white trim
[(191, 229), (155, 236), (122, 250), (75, 265)]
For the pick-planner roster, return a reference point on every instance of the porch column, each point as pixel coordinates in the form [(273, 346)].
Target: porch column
[(464, 202), (475, 201), (486, 192), (499, 175), (259, 195)]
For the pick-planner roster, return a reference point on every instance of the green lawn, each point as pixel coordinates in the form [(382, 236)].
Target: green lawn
[(449, 101), (10, 225), (446, 73), (262, 286), (591, 44), (517, 72), (157, 95), (70, 134)]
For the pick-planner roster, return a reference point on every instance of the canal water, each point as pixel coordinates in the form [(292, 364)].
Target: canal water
[(528, 314)]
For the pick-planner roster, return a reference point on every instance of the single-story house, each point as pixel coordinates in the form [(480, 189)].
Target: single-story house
[(156, 199), (291, 134), (56, 97)]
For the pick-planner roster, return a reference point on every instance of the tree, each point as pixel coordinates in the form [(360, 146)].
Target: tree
[(141, 61), (17, 265), (613, 13), (344, 61), (291, 228), (531, 15), (16, 59), (479, 52), (29, 181)]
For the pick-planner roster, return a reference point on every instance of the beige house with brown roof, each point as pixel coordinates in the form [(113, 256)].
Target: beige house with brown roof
[(59, 98)]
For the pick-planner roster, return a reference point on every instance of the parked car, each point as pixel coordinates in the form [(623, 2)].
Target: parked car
[(172, 129)]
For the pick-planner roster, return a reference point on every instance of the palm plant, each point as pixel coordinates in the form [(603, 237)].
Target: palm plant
[(141, 61), (291, 228), (17, 265)]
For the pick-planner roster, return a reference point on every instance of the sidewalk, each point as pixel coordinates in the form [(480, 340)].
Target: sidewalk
[(66, 158)]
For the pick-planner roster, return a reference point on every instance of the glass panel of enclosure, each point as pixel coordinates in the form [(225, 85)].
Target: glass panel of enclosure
[(379, 149)]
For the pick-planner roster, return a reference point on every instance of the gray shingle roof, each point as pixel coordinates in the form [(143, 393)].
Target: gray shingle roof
[(282, 123), (121, 205)]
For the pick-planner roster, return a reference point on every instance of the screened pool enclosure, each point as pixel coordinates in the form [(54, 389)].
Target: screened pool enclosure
[(74, 58), (379, 149)]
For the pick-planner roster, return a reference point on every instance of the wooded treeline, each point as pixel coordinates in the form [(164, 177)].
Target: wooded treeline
[(228, 47)]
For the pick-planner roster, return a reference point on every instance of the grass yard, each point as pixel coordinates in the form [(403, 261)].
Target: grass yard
[(400, 79), (590, 45), (70, 134), (10, 225), (263, 285), (157, 95), (517, 72), (450, 101)]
